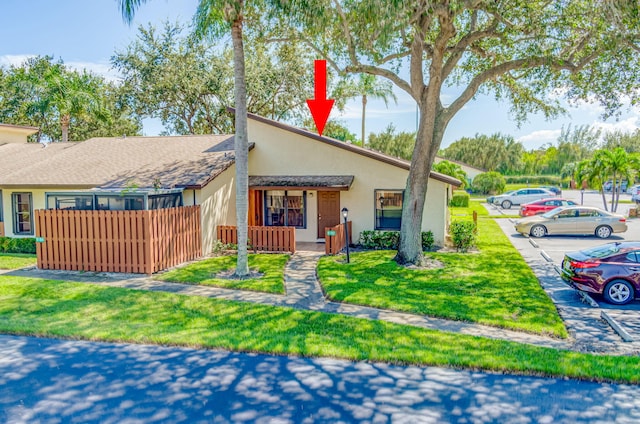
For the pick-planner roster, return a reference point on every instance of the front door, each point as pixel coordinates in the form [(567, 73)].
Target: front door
[(328, 210)]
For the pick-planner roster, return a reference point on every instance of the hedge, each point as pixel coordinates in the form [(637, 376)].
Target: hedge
[(389, 240), (17, 245)]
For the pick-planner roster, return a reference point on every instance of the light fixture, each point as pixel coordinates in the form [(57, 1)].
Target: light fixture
[(345, 214)]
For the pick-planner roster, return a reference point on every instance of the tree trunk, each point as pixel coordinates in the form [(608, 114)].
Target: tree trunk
[(364, 108), (430, 132), (65, 121), (241, 149)]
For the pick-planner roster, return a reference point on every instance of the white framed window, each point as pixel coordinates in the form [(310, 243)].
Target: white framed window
[(22, 209)]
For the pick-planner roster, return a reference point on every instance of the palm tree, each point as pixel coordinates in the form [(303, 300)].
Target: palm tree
[(370, 87), (453, 170), (210, 18)]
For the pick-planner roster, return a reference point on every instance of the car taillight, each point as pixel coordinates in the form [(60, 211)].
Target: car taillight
[(582, 265), (623, 220)]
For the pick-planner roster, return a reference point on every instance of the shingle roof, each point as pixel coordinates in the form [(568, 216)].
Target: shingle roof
[(178, 161), (340, 182)]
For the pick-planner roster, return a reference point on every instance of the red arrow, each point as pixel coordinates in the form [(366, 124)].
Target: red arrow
[(320, 107)]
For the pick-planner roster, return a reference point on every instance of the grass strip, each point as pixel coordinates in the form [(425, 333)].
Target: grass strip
[(494, 286), (269, 266), (16, 260), (83, 311)]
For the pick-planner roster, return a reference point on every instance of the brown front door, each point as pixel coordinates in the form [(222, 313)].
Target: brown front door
[(328, 210)]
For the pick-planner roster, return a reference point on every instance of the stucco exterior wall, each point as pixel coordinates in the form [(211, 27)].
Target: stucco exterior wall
[(13, 135), (217, 202), (280, 152), (38, 202)]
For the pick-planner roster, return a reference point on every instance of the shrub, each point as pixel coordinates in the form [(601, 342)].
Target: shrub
[(17, 245), (534, 179), (463, 235), (460, 199), (389, 240), (489, 183)]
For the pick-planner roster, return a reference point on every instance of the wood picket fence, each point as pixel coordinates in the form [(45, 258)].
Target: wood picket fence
[(118, 241), (261, 238), (335, 238)]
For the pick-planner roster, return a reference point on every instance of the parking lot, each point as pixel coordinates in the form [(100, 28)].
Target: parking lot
[(543, 253)]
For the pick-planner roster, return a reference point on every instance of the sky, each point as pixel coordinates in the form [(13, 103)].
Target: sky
[(86, 33)]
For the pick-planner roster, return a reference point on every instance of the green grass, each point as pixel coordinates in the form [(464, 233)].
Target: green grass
[(271, 266), (493, 287), (84, 311), (16, 260)]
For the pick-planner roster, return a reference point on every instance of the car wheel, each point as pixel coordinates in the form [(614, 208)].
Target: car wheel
[(618, 292), (603, 232), (506, 204), (538, 231)]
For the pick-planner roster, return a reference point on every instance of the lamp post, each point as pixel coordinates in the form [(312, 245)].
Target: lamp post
[(345, 214), (582, 197), (381, 225)]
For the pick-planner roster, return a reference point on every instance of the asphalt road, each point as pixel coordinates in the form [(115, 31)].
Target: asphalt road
[(56, 381)]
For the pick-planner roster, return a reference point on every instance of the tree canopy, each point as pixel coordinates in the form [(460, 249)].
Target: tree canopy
[(522, 51), (65, 104)]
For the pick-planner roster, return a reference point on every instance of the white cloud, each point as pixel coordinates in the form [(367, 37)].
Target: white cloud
[(628, 125), (14, 59), (538, 138), (98, 68)]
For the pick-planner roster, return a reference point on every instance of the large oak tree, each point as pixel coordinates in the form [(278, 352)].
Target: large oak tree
[(523, 51)]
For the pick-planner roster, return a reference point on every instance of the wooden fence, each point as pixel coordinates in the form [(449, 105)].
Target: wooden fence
[(266, 239), (118, 241), (1, 229), (335, 237)]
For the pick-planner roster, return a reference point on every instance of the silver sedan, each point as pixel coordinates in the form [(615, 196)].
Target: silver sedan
[(573, 220)]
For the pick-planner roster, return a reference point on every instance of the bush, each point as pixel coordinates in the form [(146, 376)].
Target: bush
[(489, 183), (389, 240), (460, 199), (463, 235), (17, 245)]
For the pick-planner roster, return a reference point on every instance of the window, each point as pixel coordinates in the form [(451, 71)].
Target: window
[(70, 202), (165, 201), (388, 209), (22, 213), (120, 203), (285, 208)]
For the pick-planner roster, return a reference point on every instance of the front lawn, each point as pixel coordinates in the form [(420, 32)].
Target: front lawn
[(270, 268), (91, 312), (493, 286), (16, 260)]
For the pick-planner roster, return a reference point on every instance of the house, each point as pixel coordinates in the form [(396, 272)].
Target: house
[(296, 179)]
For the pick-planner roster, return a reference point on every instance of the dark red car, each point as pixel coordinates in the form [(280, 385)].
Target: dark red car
[(544, 205), (612, 270)]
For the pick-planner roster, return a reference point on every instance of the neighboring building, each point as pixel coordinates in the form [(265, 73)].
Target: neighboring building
[(296, 179), (15, 133), (471, 171)]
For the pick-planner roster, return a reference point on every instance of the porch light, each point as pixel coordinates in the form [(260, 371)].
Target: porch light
[(345, 214)]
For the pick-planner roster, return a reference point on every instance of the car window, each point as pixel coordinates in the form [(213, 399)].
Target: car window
[(632, 257), (585, 213), (568, 214), (521, 192), (551, 203), (568, 203)]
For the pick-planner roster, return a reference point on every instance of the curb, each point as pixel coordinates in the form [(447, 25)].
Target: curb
[(616, 327), (533, 243), (588, 299), (546, 256)]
